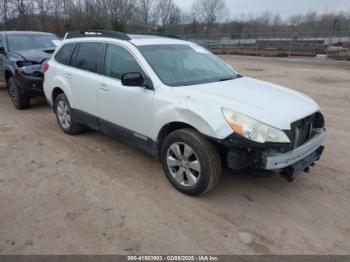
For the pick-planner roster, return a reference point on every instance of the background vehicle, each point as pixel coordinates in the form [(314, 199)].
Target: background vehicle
[(22, 54), (183, 105)]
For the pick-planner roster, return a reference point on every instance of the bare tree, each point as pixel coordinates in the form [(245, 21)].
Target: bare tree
[(168, 13), (21, 8), (66, 8), (147, 13), (59, 16), (265, 19), (209, 11), (56, 15), (41, 7), (5, 7), (120, 12)]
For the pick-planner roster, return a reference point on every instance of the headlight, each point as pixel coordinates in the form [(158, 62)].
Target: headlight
[(253, 129), (29, 70), (24, 63)]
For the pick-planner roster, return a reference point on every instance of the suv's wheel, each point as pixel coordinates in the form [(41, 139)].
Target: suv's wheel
[(191, 162), (64, 116), (19, 100)]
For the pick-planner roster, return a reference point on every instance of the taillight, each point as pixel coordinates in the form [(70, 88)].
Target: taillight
[(46, 67)]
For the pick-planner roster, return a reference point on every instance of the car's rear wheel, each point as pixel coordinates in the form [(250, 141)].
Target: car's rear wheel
[(190, 162), (19, 100), (64, 116)]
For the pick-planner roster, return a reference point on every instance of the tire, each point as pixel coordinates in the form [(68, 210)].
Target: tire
[(64, 117), (190, 173), (19, 100)]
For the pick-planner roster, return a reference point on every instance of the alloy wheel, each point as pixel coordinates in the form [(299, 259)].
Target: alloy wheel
[(63, 113), (183, 164), (13, 93)]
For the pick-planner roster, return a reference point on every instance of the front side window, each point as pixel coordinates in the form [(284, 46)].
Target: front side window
[(64, 54), (119, 61), (181, 65), (88, 56), (31, 41)]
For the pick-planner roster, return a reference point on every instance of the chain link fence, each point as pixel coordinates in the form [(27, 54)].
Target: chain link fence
[(274, 44)]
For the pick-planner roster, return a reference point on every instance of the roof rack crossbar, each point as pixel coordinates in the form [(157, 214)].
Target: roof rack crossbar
[(174, 36), (97, 33)]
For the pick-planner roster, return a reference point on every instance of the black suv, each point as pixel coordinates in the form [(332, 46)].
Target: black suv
[(22, 56)]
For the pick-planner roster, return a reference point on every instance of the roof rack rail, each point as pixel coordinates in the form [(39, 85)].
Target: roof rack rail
[(174, 36), (97, 33)]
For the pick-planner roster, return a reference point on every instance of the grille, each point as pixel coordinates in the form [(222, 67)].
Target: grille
[(304, 129)]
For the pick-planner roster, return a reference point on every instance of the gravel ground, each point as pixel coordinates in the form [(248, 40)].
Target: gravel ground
[(92, 194)]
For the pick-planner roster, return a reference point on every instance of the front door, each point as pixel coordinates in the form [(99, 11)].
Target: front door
[(126, 108)]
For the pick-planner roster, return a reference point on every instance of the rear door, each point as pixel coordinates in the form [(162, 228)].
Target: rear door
[(83, 76), (58, 68), (2, 59)]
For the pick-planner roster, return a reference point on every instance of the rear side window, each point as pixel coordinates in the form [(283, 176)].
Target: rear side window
[(88, 56), (2, 41), (64, 54)]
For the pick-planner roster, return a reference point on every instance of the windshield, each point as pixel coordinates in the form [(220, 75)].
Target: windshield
[(31, 41), (181, 65)]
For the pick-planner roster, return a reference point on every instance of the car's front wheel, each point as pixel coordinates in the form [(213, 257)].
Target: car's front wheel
[(190, 162), (65, 117), (19, 100)]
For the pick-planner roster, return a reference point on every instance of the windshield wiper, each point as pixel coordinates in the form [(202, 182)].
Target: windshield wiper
[(226, 79)]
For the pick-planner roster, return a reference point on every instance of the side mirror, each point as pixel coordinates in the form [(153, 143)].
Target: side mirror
[(133, 79), (136, 79), (2, 50)]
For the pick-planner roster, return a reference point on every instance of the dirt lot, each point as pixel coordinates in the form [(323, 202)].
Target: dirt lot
[(91, 194)]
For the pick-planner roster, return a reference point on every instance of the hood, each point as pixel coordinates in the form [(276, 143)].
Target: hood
[(271, 104), (34, 55)]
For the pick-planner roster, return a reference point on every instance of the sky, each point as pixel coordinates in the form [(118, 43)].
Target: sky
[(283, 7)]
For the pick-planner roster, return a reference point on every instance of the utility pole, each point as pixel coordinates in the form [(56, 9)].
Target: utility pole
[(256, 44), (294, 25), (330, 37), (334, 28)]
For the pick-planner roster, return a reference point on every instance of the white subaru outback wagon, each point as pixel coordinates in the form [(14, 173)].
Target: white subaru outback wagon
[(182, 104)]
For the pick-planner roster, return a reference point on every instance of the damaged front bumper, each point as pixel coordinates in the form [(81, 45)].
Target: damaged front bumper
[(241, 154), (30, 85), (282, 160), (294, 170), (300, 159)]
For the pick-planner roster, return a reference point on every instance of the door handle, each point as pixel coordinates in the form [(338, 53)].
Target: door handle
[(68, 76), (104, 87)]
